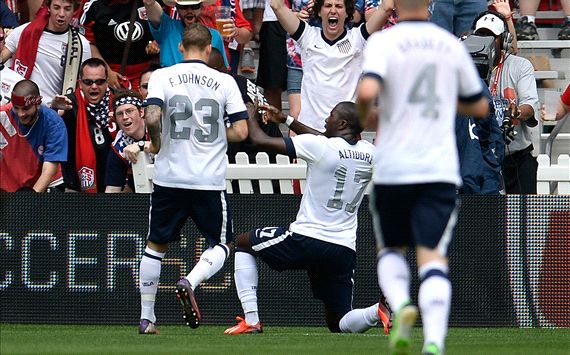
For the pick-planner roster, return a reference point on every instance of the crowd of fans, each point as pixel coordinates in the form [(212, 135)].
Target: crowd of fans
[(114, 45)]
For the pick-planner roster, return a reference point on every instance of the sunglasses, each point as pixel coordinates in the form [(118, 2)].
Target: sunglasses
[(189, 7), (97, 82), (144, 86), (2, 38)]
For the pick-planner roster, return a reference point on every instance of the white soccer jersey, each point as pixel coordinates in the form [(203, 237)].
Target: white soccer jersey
[(337, 176), (193, 98), (9, 78), (423, 70), (49, 68), (330, 72)]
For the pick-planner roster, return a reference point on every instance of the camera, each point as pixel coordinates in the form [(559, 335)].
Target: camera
[(507, 126), (483, 52)]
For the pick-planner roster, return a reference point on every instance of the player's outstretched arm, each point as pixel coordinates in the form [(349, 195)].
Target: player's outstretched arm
[(152, 114), (288, 20), (259, 139)]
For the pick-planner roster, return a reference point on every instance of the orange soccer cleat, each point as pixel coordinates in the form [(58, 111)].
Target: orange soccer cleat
[(385, 315), (243, 328)]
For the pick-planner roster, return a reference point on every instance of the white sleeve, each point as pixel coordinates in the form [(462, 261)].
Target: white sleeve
[(526, 85), (234, 102), (155, 89), (375, 62), (86, 48), (309, 147), (13, 38)]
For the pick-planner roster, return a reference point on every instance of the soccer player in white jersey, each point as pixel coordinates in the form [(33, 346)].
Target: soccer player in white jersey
[(332, 55), (185, 119), (420, 75), (322, 240)]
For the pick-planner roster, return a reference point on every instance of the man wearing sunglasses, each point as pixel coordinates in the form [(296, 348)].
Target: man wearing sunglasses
[(86, 116), (168, 31)]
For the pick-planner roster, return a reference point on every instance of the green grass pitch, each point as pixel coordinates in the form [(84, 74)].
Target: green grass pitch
[(91, 339)]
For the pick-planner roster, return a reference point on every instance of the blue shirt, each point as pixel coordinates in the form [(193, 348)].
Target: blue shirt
[(169, 35), (48, 136)]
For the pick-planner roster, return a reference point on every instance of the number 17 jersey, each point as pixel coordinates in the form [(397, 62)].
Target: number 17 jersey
[(337, 176), (193, 98)]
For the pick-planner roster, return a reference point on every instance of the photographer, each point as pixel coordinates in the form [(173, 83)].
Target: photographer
[(513, 89)]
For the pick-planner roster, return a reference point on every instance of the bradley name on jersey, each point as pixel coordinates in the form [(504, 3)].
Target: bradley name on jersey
[(353, 154), (423, 44), (191, 78)]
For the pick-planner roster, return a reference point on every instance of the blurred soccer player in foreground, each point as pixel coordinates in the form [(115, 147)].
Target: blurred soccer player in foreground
[(417, 72)]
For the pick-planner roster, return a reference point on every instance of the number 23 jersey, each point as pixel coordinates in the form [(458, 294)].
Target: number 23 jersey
[(193, 98), (337, 176)]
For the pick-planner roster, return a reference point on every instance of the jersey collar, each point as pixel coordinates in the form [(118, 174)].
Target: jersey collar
[(329, 42), (194, 61)]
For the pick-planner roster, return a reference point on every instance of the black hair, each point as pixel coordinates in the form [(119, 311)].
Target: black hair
[(348, 4), (347, 111), (26, 87), (93, 62)]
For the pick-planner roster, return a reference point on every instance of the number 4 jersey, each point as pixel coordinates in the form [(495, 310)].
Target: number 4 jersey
[(193, 98), (337, 176), (423, 71)]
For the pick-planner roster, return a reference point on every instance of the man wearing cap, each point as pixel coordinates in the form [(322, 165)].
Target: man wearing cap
[(35, 141), (168, 31), (513, 86), (130, 140)]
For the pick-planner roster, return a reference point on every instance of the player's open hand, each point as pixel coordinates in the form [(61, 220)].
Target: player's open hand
[(271, 113)]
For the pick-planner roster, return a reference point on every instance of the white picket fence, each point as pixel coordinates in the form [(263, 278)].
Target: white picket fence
[(553, 178), (283, 171), (550, 178)]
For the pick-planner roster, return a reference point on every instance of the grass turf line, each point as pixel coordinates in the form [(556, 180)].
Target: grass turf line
[(113, 339)]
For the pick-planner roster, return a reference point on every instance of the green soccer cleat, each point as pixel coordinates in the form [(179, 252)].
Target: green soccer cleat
[(401, 334), (431, 349)]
